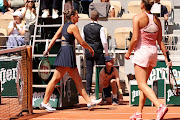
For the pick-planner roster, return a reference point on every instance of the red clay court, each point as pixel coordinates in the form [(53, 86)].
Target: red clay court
[(102, 112)]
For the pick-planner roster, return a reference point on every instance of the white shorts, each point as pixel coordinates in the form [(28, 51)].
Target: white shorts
[(145, 56)]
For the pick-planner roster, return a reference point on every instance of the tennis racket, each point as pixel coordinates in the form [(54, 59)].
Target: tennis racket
[(172, 80), (44, 68)]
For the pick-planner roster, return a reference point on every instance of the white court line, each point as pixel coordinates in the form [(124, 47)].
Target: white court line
[(81, 119), (120, 113)]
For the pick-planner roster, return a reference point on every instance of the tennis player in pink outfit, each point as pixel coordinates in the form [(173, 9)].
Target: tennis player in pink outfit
[(146, 31)]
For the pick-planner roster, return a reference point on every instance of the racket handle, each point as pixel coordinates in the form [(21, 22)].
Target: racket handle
[(47, 44), (167, 53)]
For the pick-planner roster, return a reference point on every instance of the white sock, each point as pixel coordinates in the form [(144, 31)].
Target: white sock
[(44, 103), (138, 113), (115, 96)]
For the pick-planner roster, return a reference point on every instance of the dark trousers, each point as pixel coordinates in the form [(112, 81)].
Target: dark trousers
[(76, 6), (85, 6), (100, 60), (54, 3)]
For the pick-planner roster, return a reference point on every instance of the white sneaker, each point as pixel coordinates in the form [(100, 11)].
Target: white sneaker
[(93, 103), (45, 13), (55, 14), (46, 107)]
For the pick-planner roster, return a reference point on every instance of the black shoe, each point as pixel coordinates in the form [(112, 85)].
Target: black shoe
[(114, 101), (88, 93)]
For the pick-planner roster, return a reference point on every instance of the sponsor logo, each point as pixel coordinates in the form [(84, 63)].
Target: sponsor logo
[(161, 73), (7, 75), (135, 93), (40, 95), (169, 95)]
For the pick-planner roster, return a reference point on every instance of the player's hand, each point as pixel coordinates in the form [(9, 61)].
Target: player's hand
[(45, 53), (120, 97), (127, 55), (91, 51), (169, 64)]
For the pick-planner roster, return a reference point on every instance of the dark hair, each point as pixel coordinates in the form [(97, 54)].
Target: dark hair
[(148, 4), (33, 4), (94, 15), (68, 13)]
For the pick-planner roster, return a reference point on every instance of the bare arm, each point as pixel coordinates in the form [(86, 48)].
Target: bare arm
[(10, 30), (160, 42), (117, 78), (56, 36), (116, 72), (101, 79), (166, 16), (80, 40), (134, 39)]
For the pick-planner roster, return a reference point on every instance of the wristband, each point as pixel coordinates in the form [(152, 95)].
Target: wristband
[(120, 91)]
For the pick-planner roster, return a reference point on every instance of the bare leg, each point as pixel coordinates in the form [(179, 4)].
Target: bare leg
[(141, 76), (114, 86), (142, 97), (109, 100), (58, 74), (73, 72)]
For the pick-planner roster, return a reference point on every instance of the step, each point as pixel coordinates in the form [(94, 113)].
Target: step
[(49, 25), (43, 40), (36, 70), (50, 17), (43, 86), (41, 55)]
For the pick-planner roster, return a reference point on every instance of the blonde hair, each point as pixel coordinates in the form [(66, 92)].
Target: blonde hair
[(148, 4)]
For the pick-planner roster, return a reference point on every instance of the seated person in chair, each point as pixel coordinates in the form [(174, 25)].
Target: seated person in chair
[(109, 81)]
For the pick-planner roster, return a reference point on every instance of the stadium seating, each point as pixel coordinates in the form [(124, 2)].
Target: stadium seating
[(128, 15), (117, 7), (5, 19), (168, 4), (83, 15), (3, 32), (121, 36), (134, 7)]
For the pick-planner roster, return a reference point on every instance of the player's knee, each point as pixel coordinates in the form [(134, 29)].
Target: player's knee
[(113, 82), (142, 86)]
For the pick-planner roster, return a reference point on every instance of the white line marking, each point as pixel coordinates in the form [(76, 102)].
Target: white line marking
[(97, 119), (118, 113)]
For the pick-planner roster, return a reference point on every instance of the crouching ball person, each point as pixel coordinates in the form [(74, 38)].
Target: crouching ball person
[(109, 81), (66, 61), (146, 31)]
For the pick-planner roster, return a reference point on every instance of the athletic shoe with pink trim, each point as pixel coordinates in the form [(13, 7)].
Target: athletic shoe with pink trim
[(136, 116), (161, 111)]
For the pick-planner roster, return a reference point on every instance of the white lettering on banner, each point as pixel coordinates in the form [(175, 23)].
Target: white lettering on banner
[(169, 94), (161, 73), (7, 75), (158, 73), (135, 94), (40, 95)]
